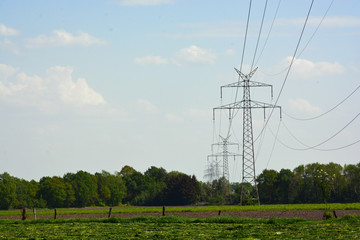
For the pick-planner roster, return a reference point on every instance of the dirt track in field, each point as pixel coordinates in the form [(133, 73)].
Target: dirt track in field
[(306, 214)]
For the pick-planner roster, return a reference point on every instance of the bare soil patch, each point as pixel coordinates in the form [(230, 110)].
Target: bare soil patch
[(306, 214)]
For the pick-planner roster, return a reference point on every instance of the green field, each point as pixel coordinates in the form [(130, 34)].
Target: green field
[(181, 228), (101, 210)]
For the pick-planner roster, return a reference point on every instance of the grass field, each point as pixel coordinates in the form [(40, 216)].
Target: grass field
[(101, 210), (181, 228)]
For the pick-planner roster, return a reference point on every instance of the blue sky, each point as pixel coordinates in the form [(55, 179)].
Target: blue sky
[(96, 85)]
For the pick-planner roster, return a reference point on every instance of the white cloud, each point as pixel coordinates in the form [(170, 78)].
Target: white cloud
[(147, 105), (157, 60), (78, 93), (199, 113), (63, 38), (194, 54), (7, 31), (6, 71), (303, 106), (8, 45), (173, 118), (229, 52), (329, 22), (57, 87), (217, 29), (307, 69), (337, 21), (144, 2)]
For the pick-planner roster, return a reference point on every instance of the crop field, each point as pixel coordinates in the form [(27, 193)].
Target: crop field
[(103, 210), (181, 228), (91, 223)]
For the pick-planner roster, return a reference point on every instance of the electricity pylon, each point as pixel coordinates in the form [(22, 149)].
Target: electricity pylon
[(225, 154), (212, 172), (248, 157)]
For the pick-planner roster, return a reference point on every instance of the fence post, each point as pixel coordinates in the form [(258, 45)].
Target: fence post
[(23, 214), (219, 213), (109, 213), (334, 214), (55, 213), (163, 212), (34, 211)]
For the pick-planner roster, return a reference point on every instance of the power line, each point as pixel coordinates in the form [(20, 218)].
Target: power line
[(310, 39), (273, 146), (314, 147), (331, 109), (260, 144), (291, 63), (267, 37), (257, 42), (242, 59), (246, 31), (338, 148)]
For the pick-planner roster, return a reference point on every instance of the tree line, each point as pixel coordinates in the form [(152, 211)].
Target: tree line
[(312, 183)]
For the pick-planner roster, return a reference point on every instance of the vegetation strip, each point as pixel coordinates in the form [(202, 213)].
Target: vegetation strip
[(289, 207), (311, 183), (282, 207), (181, 228)]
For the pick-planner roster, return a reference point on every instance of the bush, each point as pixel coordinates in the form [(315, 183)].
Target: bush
[(328, 215)]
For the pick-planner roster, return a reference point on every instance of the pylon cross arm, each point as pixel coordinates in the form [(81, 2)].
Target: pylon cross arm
[(245, 104), (246, 77)]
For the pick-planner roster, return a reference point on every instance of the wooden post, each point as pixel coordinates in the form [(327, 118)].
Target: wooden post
[(23, 214), (219, 213), (109, 213), (55, 213), (163, 212), (34, 211)]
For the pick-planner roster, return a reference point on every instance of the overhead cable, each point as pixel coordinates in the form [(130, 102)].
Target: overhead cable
[(312, 118), (307, 43), (258, 39), (288, 71), (315, 147), (267, 37), (273, 146), (242, 59)]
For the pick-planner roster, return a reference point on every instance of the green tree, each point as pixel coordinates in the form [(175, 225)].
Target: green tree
[(25, 193), (7, 191), (126, 171), (283, 182), (111, 188), (297, 185), (335, 171), (56, 192), (325, 181), (85, 187), (267, 185), (156, 179), (352, 180), (182, 189), (220, 191), (312, 190), (136, 186)]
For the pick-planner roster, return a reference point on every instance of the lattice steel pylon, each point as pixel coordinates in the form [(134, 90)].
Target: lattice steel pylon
[(212, 171), (225, 154), (248, 157)]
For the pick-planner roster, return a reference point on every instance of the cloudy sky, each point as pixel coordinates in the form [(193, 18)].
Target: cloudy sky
[(96, 85)]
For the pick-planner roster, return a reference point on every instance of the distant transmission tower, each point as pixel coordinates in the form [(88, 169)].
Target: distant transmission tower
[(248, 157), (224, 155), (213, 170)]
